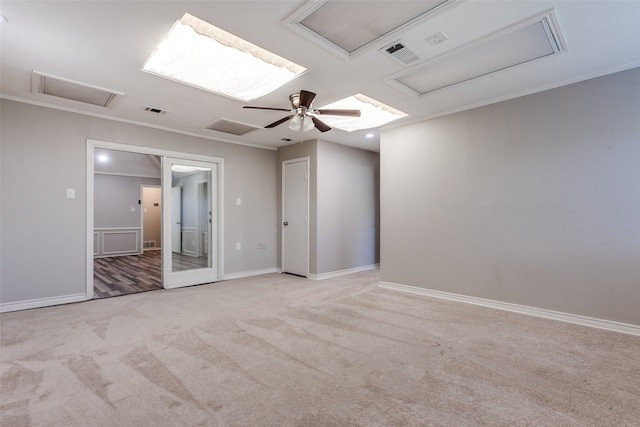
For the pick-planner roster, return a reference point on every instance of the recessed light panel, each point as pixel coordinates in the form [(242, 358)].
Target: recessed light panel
[(199, 54), (373, 113)]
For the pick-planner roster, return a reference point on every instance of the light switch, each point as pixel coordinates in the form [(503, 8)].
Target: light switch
[(238, 201), (71, 193), (238, 246)]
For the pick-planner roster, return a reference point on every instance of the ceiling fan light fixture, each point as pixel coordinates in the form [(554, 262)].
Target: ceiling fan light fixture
[(304, 122), (202, 55)]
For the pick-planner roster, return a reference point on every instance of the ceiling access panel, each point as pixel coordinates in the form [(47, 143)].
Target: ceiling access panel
[(346, 28), (529, 40)]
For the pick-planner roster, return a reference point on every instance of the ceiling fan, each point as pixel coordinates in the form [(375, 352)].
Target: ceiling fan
[(303, 117)]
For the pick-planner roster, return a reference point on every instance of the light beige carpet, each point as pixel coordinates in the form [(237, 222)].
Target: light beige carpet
[(278, 350)]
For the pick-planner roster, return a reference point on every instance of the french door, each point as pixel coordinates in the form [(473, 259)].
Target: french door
[(191, 222)]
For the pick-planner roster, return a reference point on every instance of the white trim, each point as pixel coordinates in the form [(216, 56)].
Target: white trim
[(132, 175), (337, 273), (90, 249), (133, 122), (136, 250), (250, 273), (541, 88), (41, 302), (608, 325)]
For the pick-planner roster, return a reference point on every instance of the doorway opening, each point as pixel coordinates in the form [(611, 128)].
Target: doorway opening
[(127, 206), (135, 198)]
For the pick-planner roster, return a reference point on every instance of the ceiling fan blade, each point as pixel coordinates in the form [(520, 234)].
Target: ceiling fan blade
[(350, 113), (306, 98), (320, 125), (267, 108), (279, 122)]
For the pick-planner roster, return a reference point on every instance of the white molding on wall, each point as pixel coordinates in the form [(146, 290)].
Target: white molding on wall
[(125, 230), (331, 274), (41, 302), (250, 273), (96, 243), (608, 325), (191, 233)]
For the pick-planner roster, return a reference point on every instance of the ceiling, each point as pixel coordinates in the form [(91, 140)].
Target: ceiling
[(106, 43)]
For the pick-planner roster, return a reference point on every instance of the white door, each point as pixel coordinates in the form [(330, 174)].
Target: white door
[(295, 216), (192, 190), (176, 222)]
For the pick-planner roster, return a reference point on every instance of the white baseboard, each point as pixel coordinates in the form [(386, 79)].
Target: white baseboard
[(41, 302), (609, 325), (250, 273), (331, 274)]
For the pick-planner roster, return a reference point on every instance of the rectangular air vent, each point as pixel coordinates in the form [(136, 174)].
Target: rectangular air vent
[(155, 110), (228, 126), (401, 53), (68, 89)]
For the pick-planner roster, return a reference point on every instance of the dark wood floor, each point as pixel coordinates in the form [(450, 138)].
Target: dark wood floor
[(126, 275)]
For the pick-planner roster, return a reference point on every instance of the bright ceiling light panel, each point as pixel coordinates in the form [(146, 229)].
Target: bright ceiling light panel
[(373, 113), (199, 54)]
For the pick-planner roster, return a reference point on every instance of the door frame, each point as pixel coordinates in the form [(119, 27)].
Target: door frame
[(307, 160), (92, 145)]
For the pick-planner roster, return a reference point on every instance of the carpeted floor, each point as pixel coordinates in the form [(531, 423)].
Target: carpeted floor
[(277, 350)]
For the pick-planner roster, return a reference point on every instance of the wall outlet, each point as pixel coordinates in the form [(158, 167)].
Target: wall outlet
[(262, 245), (238, 246)]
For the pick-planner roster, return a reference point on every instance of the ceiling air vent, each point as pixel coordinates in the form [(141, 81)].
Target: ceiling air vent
[(401, 53), (234, 128), (155, 110), (68, 89)]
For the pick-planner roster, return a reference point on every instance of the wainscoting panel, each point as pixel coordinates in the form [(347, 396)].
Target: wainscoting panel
[(189, 241), (118, 241)]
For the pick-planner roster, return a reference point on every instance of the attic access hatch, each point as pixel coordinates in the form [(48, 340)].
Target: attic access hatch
[(346, 28), (46, 84), (527, 41)]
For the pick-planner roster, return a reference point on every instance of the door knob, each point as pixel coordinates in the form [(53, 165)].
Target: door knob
[(285, 223)]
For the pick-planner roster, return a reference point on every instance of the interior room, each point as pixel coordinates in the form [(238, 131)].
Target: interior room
[(319, 212)]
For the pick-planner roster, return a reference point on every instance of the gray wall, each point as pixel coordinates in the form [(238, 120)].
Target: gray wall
[(347, 207), (344, 204), (43, 152), (532, 201), (113, 198)]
